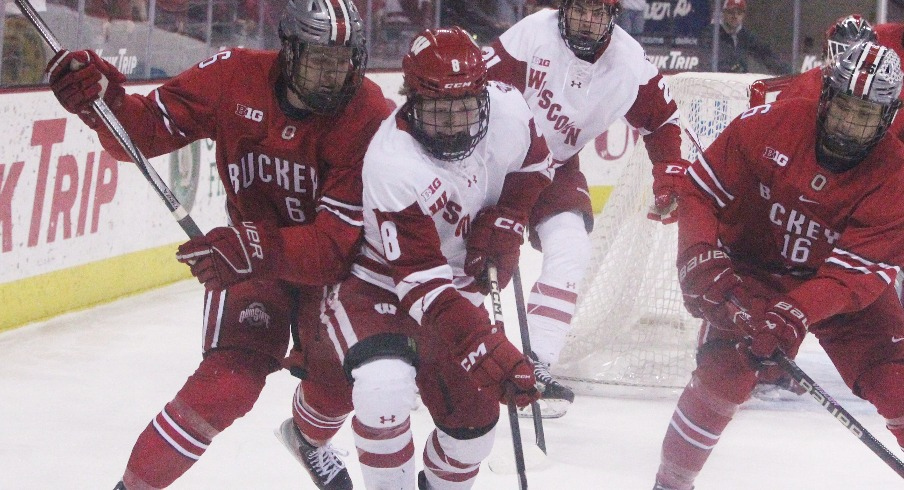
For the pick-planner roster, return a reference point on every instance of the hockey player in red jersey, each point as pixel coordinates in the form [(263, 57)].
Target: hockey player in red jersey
[(792, 217), (579, 72), (839, 36), (891, 35), (291, 129), (449, 181)]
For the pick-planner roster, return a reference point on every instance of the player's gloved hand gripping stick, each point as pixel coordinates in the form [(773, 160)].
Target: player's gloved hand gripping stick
[(743, 317), (116, 128)]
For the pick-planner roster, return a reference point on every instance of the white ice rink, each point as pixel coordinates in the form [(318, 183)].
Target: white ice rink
[(77, 390)]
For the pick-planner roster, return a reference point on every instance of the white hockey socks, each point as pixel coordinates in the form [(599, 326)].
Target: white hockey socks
[(383, 396), (452, 464), (552, 300)]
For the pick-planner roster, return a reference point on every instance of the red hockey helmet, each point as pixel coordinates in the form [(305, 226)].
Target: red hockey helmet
[(845, 31), (859, 100), (586, 25), (448, 104)]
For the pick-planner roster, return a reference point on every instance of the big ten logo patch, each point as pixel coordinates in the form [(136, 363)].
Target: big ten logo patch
[(255, 115), (255, 315)]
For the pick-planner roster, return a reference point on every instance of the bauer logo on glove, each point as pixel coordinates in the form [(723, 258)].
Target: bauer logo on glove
[(229, 255)]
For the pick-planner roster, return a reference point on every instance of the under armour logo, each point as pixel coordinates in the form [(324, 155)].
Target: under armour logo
[(570, 285), (575, 84), (390, 419)]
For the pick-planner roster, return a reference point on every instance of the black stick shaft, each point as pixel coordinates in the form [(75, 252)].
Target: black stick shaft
[(837, 411), (539, 433), (512, 409)]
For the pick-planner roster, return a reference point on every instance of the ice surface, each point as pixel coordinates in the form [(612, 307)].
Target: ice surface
[(77, 390)]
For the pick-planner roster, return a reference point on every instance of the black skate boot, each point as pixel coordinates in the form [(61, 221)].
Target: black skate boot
[(120, 486), (323, 463), (555, 398)]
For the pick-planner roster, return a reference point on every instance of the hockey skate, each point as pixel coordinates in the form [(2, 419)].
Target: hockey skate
[(323, 463), (555, 398)]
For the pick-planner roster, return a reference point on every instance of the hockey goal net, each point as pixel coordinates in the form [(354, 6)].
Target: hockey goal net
[(631, 327)]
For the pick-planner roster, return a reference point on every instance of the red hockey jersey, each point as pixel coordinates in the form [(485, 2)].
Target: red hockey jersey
[(761, 195), (274, 168)]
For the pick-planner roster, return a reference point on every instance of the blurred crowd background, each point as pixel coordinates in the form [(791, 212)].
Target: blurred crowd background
[(155, 39)]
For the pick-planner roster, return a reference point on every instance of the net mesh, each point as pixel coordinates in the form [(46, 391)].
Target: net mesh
[(631, 327)]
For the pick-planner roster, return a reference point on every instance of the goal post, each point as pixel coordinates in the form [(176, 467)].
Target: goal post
[(631, 327)]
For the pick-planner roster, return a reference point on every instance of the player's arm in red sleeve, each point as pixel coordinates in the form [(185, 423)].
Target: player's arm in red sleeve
[(503, 67), (497, 232), (180, 111), (322, 252), (705, 272), (861, 266), (655, 114)]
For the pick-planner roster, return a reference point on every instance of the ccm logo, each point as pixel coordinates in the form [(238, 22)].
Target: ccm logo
[(509, 224), (457, 85), (468, 362)]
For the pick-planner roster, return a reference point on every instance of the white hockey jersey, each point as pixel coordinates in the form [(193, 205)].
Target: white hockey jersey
[(418, 209), (574, 101)]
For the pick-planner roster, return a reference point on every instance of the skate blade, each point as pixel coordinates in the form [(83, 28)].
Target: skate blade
[(549, 409)]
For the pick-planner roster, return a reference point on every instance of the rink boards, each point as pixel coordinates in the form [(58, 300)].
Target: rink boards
[(78, 228)]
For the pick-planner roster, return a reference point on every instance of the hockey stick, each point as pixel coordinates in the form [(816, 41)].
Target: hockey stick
[(116, 128), (496, 318), (539, 434), (833, 407)]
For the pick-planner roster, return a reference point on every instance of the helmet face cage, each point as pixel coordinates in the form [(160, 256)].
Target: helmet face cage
[(323, 54), (448, 105), (845, 32), (450, 129), (858, 103), (586, 25)]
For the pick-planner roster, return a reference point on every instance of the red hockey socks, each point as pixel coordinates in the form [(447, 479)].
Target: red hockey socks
[(694, 430), (224, 388)]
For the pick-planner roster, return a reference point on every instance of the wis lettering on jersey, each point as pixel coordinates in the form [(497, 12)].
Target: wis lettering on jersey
[(561, 122), (290, 176)]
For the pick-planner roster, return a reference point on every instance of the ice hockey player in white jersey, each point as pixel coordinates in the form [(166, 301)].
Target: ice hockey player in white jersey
[(579, 72), (449, 180)]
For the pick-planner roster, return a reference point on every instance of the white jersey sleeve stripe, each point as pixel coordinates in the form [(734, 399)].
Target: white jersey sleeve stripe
[(706, 188)]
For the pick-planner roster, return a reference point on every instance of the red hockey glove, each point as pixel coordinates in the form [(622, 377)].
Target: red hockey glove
[(781, 326), (498, 367), (496, 236), (81, 77), (707, 279), (668, 179), (229, 255)]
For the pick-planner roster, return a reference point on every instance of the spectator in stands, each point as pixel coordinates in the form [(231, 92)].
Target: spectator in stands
[(531, 6), (631, 18), (480, 16), (737, 44)]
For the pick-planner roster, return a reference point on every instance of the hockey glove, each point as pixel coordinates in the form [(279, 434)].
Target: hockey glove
[(229, 255), (668, 179), (498, 367), (707, 279), (780, 327), (81, 77), (496, 236)]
